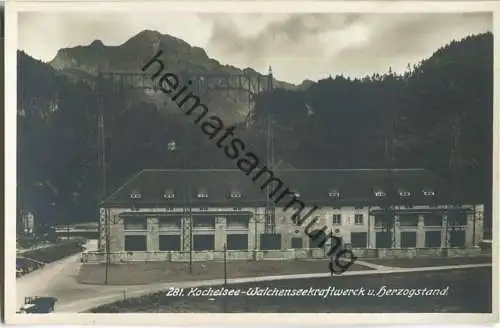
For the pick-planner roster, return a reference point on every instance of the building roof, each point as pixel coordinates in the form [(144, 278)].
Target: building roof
[(321, 187)]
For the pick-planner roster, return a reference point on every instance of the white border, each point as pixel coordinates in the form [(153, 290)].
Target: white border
[(11, 9), (256, 6)]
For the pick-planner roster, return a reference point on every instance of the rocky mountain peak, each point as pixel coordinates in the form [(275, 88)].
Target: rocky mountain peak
[(97, 43)]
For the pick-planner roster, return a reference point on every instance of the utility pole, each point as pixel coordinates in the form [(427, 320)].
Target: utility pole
[(455, 168), (69, 231), (225, 264), (455, 158), (101, 158), (102, 154), (190, 230), (187, 198), (189, 205), (187, 231), (108, 255), (389, 160), (269, 215)]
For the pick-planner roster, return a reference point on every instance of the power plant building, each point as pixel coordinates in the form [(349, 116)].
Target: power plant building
[(174, 215)]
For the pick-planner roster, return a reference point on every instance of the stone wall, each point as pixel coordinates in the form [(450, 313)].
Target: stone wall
[(291, 254)]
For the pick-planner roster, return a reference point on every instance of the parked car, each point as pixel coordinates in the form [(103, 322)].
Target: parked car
[(38, 305), (24, 266)]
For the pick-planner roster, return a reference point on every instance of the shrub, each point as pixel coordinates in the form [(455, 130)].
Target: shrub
[(55, 252)]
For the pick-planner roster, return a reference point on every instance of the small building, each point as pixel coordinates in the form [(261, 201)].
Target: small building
[(174, 215)]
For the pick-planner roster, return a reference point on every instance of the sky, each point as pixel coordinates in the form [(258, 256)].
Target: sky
[(297, 46)]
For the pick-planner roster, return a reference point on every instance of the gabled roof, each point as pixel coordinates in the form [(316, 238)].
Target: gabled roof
[(355, 186)]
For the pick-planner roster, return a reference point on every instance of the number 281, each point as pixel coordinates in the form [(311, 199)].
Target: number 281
[(172, 291)]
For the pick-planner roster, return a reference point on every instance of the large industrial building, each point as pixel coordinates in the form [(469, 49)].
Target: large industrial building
[(177, 215)]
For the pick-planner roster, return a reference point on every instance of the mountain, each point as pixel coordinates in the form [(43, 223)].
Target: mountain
[(437, 116), (84, 62)]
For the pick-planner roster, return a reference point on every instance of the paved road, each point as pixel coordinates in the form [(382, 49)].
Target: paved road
[(58, 279), (54, 279), (104, 295)]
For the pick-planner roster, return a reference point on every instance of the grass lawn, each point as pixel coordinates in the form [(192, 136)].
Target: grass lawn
[(151, 272), (427, 262), (469, 292)]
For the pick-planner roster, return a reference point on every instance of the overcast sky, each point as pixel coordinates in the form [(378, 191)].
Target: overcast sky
[(297, 46)]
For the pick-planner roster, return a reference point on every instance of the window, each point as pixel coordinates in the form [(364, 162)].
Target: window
[(333, 194), (358, 207), (358, 239), (170, 222), (408, 239), (429, 192), (170, 243), (135, 243), (433, 239), (433, 220), (457, 238), (383, 239), (336, 219), (383, 220), (318, 238), (404, 193), (202, 194), (487, 234), (296, 242), (135, 195), (270, 241), (408, 220), (358, 219), (237, 222), (203, 242), (237, 242), (203, 209), (135, 223), (235, 194), (457, 219), (168, 194), (204, 222), (236, 209)]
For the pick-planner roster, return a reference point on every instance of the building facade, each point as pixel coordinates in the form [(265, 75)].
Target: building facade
[(197, 215)]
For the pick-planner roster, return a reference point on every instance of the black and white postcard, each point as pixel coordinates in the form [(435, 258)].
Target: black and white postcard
[(195, 162)]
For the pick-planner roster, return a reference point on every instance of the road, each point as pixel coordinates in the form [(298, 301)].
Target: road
[(99, 295), (58, 280), (54, 279)]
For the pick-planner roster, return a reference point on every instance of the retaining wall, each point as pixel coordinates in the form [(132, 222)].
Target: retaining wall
[(292, 254)]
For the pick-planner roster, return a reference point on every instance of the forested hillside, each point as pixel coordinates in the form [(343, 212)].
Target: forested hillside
[(437, 115)]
